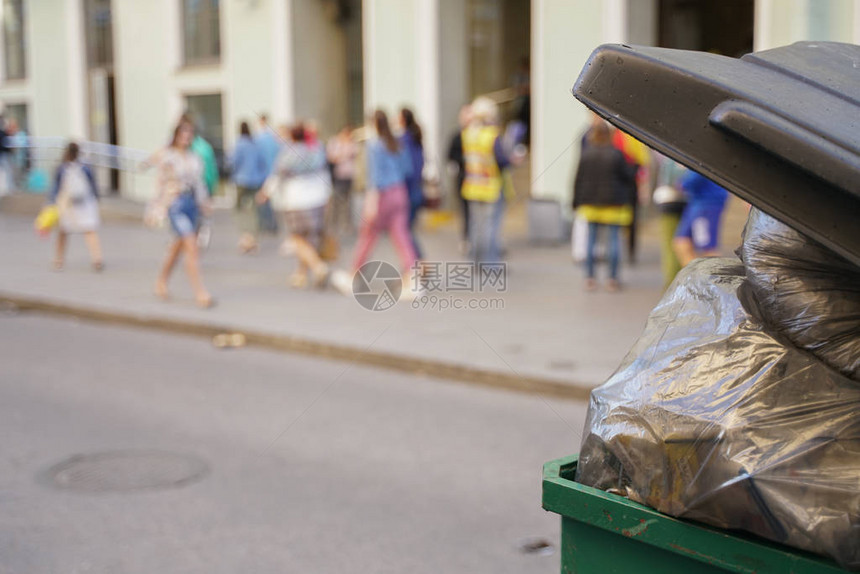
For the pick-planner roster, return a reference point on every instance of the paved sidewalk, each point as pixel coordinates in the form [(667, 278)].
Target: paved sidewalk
[(551, 336)]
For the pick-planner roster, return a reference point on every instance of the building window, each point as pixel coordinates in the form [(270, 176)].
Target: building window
[(201, 31), (13, 40), (99, 33), (18, 112), (205, 111)]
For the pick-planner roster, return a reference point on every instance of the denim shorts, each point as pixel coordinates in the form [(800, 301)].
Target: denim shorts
[(183, 215), (701, 224)]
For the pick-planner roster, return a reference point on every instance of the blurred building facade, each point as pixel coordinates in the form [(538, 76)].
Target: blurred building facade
[(122, 71)]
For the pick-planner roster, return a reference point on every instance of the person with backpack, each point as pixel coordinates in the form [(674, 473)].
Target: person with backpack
[(77, 200)]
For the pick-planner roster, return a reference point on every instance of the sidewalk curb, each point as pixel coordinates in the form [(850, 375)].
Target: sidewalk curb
[(286, 343)]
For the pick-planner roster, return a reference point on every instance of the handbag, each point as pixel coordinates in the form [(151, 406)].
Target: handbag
[(329, 247), (47, 219)]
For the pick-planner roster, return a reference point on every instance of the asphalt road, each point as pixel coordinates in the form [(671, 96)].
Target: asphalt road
[(293, 464)]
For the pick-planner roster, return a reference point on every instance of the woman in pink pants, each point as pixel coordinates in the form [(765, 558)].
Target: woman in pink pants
[(386, 201)]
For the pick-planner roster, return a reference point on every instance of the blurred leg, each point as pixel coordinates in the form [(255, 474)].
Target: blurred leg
[(590, 248), (170, 260), (403, 240), (631, 238), (94, 247), (364, 246), (684, 250), (668, 259), (308, 255), (60, 253), (413, 218), (192, 268), (495, 251), (614, 246), (465, 205), (480, 228)]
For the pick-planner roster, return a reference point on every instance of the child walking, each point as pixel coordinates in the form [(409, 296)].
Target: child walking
[(77, 200)]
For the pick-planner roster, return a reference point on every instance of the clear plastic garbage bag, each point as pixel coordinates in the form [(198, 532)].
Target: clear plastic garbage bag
[(712, 417), (806, 292)]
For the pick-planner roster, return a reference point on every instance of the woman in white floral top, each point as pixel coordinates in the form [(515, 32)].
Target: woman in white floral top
[(181, 197)]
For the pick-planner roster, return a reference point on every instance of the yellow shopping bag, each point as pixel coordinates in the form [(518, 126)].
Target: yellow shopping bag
[(47, 219)]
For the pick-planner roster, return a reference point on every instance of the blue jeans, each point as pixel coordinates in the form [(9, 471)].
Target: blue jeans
[(485, 223), (613, 251), (183, 215), (414, 208)]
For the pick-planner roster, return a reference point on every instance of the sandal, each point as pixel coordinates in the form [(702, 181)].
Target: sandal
[(298, 280), (161, 291), (321, 276), (206, 302)]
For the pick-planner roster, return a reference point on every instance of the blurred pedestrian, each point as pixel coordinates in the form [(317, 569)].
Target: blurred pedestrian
[(211, 176), (342, 152), (638, 157), (77, 200), (206, 153), (249, 172), (522, 104), (456, 162), (485, 181), (601, 196), (386, 202), (698, 230), (412, 141), (6, 183), (670, 201), (181, 197), (20, 153), (300, 187), (270, 144)]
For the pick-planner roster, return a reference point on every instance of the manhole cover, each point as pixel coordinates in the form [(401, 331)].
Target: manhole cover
[(126, 471)]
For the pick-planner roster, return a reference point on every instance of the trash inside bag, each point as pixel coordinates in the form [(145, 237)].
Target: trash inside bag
[(805, 292), (712, 417)]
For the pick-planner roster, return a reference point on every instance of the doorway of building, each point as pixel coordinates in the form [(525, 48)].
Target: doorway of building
[(100, 83), (719, 26), (499, 44)]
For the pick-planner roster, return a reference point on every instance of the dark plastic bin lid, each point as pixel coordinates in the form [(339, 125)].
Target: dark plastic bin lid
[(779, 128)]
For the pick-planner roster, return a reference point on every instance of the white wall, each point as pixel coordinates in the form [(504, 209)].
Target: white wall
[(247, 51), (782, 22), (319, 64), (390, 53), (53, 88), (152, 81), (564, 33), (415, 54), (454, 68)]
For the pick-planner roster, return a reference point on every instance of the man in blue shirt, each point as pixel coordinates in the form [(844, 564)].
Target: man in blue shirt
[(249, 173), (698, 230), (270, 146)]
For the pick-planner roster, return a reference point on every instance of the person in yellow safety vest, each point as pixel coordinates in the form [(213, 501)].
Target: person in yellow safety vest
[(485, 182)]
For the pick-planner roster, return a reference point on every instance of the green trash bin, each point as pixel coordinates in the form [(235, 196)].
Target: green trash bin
[(602, 533)]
